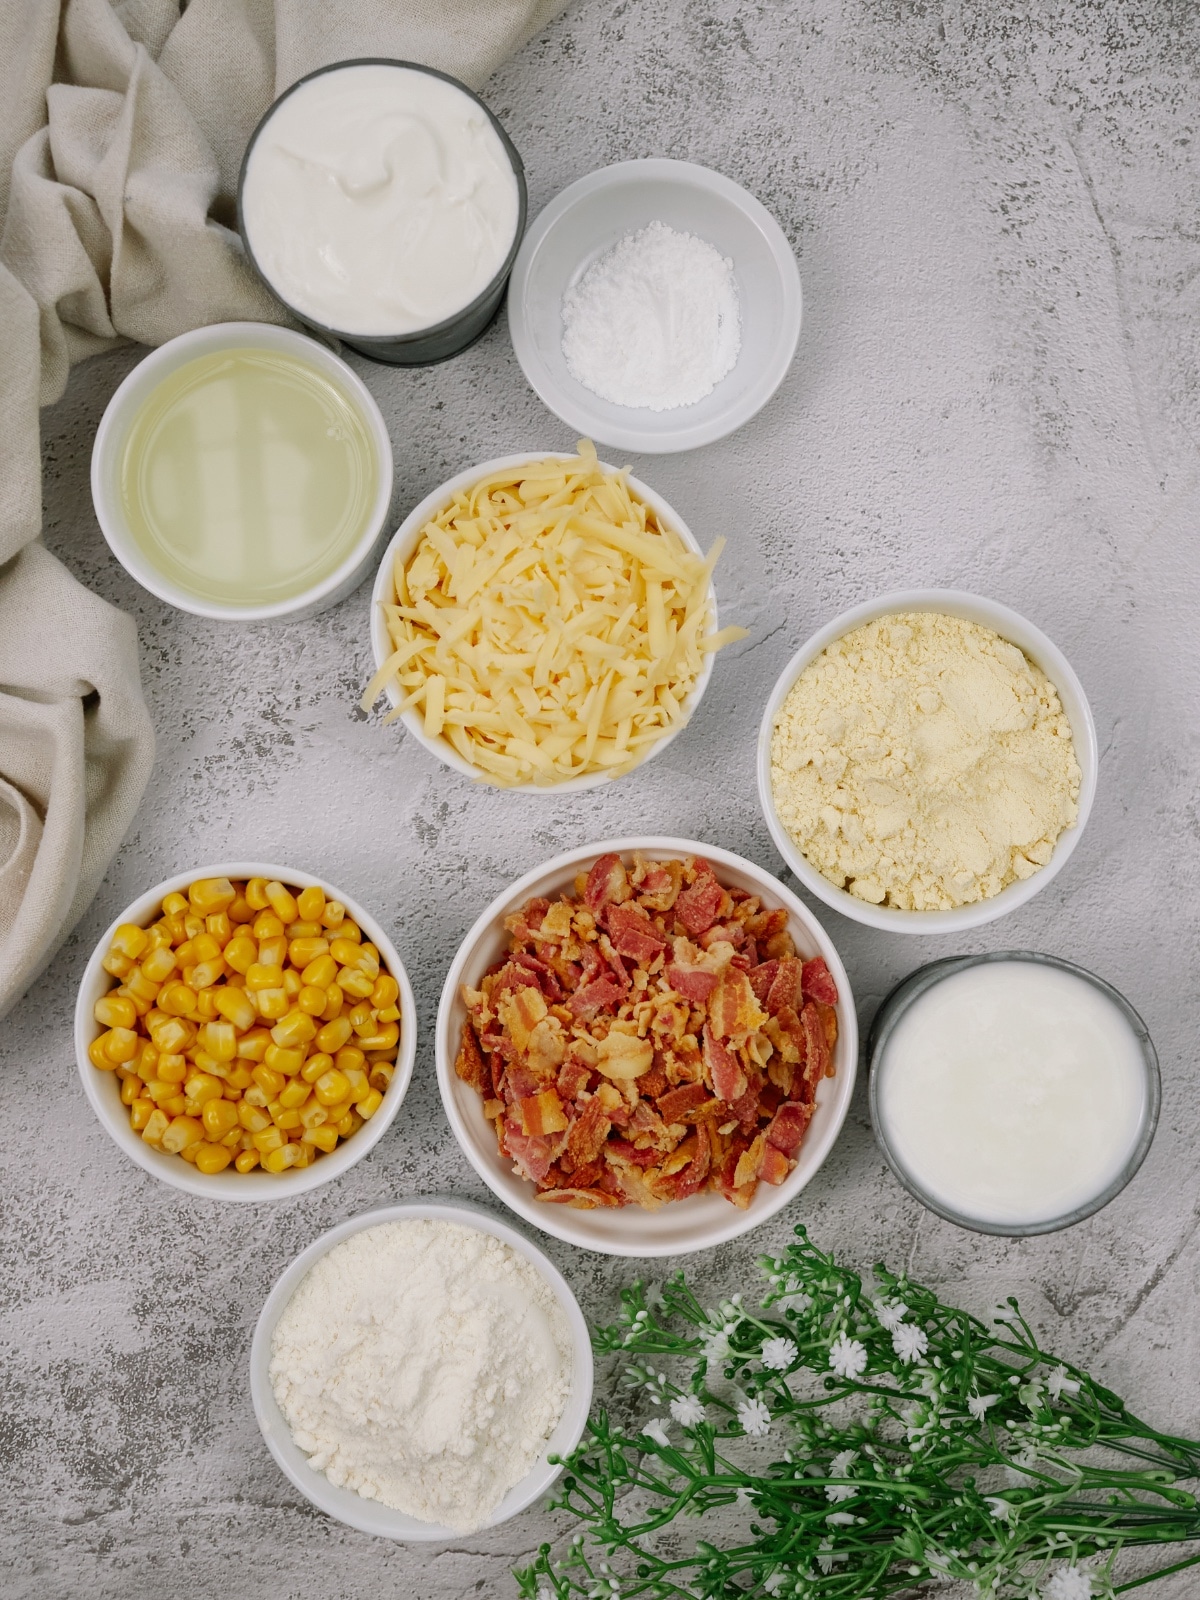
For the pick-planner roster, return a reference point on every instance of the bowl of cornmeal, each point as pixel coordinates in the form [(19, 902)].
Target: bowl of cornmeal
[(927, 762)]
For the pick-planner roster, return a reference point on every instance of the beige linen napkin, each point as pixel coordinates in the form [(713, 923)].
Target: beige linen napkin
[(122, 127)]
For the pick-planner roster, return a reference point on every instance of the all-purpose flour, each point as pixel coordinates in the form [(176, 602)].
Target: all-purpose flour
[(424, 1364)]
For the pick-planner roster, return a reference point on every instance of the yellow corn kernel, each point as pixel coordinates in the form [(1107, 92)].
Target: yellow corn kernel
[(295, 1029), (280, 1160), (272, 952), (388, 1014), (310, 903), (184, 957), (367, 1107), (98, 1057), (256, 893), (211, 894), (172, 1034), (219, 1117), (212, 1158), (246, 1160), (252, 1118), (254, 1096), (303, 952), (252, 1046), (131, 1090), (171, 1068), (304, 930), (205, 948), (260, 976), (349, 1124), (334, 1000), (361, 1017), (321, 972), (140, 990), (112, 1012), (311, 1000), (292, 984), (334, 1034), (117, 965), (386, 992), (176, 999), (176, 1106), (293, 1095), (316, 1067), (282, 902), (267, 925), (268, 1080), (207, 973), (232, 1140), (157, 1124), (324, 1137), (158, 965), (382, 1073), (241, 953), (272, 1004), (337, 1112), (357, 1079), (145, 1063), (284, 1117), (345, 951), (192, 925), (188, 1153), (334, 914), (239, 1078), (331, 1087), (240, 911), (269, 1139), (140, 1109), (182, 1132), (201, 1087), (349, 929), (219, 927), (356, 983), (121, 1045), (219, 1039), (206, 1003), (286, 1060), (175, 904), (383, 1038), (203, 1062), (129, 940), (313, 1114), (237, 1008), (368, 962), (348, 1057), (159, 1092)]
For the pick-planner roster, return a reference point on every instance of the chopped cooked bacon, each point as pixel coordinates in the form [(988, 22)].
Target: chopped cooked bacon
[(607, 881), (633, 934), (726, 1078), (699, 906), (818, 982), (601, 994), (610, 1086)]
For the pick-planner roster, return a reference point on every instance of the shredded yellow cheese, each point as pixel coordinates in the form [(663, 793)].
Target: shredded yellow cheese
[(548, 626)]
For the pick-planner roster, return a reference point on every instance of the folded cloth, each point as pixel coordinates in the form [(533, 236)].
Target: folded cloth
[(122, 127)]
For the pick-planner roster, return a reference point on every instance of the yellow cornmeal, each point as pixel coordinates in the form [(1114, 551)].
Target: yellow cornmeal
[(924, 762)]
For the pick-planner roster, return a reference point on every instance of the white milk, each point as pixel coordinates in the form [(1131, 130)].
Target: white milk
[(379, 200), (1012, 1092)]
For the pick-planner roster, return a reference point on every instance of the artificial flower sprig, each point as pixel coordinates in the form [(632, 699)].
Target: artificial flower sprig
[(911, 1443)]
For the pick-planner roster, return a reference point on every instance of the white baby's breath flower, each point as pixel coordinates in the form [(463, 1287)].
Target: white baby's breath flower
[(1001, 1509), (839, 1467), (1059, 1383), (774, 1583), (778, 1354), (825, 1557), (1004, 1313), (744, 1498), (687, 1409), (977, 1404), (847, 1356), (1069, 1583), (754, 1418), (890, 1313), (909, 1342), (655, 1430), (716, 1347), (841, 1519)]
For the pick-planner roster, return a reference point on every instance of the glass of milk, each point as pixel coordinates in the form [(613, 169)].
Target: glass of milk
[(1012, 1093)]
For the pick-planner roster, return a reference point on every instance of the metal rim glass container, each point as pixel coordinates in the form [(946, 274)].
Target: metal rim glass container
[(423, 347), (918, 983)]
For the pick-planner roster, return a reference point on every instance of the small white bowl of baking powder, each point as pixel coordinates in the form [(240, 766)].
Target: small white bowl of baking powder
[(580, 261), (318, 1342)]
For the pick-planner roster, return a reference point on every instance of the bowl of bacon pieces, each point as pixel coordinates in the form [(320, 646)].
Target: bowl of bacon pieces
[(647, 1047)]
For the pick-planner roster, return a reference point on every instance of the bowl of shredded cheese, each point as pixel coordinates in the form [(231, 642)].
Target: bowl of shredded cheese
[(927, 762), (544, 622)]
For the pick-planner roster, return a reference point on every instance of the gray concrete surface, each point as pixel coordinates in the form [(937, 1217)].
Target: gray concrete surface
[(995, 208)]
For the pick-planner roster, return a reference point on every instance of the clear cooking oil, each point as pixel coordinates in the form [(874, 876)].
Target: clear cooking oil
[(248, 476)]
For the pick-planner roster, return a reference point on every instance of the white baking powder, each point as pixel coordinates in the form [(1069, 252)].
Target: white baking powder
[(654, 322), (424, 1364)]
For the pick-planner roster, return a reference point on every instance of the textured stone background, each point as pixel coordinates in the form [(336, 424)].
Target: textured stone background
[(995, 208)]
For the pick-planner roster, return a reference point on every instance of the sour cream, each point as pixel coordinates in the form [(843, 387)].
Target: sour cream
[(379, 200), (1013, 1093)]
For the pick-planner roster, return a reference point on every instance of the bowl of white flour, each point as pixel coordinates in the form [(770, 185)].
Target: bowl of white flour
[(415, 1368)]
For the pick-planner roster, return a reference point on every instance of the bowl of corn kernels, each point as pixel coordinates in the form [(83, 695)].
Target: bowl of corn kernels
[(245, 1032)]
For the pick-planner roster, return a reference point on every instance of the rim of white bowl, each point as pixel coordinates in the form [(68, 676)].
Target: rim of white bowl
[(146, 376), (369, 1516), (405, 538), (646, 436), (1043, 652), (582, 1228), (103, 1088)]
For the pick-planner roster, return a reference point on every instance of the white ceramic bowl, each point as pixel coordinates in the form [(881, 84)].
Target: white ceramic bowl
[(705, 1219), (123, 407), (1044, 654), (405, 541), (369, 1516), (583, 223), (103, 1089)]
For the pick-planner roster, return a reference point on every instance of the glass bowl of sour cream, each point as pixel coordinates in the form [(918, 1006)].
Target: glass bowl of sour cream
[(1012, 1093), (383, 203)]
